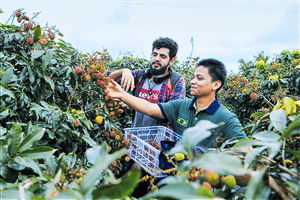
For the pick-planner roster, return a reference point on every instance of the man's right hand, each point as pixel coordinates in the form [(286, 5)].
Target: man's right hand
[(114, 90), (127, 81)]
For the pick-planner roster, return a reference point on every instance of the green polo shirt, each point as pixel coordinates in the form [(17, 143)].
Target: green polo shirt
[(182, 114)]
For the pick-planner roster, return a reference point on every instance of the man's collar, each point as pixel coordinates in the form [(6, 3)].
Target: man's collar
[(211, 109)]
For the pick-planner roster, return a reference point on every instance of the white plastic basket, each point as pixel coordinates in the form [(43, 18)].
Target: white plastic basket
[(145, 154)]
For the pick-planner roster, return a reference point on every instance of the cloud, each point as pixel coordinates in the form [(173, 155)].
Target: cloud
[(121, 16), (285, 31)]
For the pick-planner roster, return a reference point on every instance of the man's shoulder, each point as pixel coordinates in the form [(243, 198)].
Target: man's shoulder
[(224, 112)]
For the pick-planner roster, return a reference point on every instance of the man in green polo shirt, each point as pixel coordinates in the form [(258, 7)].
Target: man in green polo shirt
[(209, 77)]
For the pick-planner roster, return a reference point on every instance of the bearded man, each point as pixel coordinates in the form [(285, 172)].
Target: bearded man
[(158, 83)]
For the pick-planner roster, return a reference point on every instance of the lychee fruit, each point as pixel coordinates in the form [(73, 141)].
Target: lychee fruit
[(127, 158), (229, 181), (129, 136), (213, 178), (27, 18), (78, 70), (87, 77), (253, 96), (242, 180), (19, 19), (27, 27), (265, 111), (113, 134), (43, 42), (207, 185), (99, 120), (101, 83), (120, 111), (51, 36), (114, 163), (18, 14), (126, 142), (117, 137), (77, 122), (107, 98), (30, 41), (112, 113)]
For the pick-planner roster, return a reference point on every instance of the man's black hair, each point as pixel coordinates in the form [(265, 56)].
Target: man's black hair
[(166, 43), (216, 70)]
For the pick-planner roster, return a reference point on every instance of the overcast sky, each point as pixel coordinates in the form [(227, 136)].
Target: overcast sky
[(225, 30)]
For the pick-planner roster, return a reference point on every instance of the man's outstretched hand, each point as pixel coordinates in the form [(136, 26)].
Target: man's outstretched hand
[(114, 90)]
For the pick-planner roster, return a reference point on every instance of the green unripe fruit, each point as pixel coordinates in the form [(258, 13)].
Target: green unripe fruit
[(213, 178), (179, 156), (99, 120), (229, 181)]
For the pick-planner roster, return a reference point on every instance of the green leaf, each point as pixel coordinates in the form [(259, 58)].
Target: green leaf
[(50, 161), (14, 139), (3, 154), (47, 57), (4, 112), (94, 173), (8, 74), (71, 160), (37, 53), (10, 194), (93, 154), (255, 186), (257, 114), (247, 142), (68, 194), (122, 189), (278, 119), (59, 162), (24, 54), (38, 152), (37, 109), (50, 82), (37, 33), (176, 191), (193, 136), (4, 91), (222, 164), (89, 140), (295, 152), (293, 129), (28, 128), (266, 136), (10, 175), (31, 76), (252, 154), (274, 148), (2, 131), (34, 136), (30, 164)]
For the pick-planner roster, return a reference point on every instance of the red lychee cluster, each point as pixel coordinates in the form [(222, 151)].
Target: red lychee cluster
[(113, 106)]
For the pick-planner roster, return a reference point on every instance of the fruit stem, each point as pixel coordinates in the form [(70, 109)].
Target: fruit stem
[(12, 16), (282, 167)]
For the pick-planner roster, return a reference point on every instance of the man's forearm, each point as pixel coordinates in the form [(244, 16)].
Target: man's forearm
[(142, 105), (115, 75)]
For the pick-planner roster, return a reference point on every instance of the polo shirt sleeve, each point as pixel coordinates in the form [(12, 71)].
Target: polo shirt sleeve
[(170, 110), (233, 128)]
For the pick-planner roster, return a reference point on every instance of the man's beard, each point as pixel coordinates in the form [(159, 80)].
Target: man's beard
[(159, 71)]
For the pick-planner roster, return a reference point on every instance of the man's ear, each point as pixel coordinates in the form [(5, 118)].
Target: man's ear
[(172, 60), (217, 84)]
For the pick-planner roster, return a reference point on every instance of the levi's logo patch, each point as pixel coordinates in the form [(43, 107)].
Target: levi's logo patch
[(182, 121)]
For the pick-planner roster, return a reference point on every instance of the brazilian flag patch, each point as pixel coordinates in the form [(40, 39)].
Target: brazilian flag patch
[(182, 121)]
